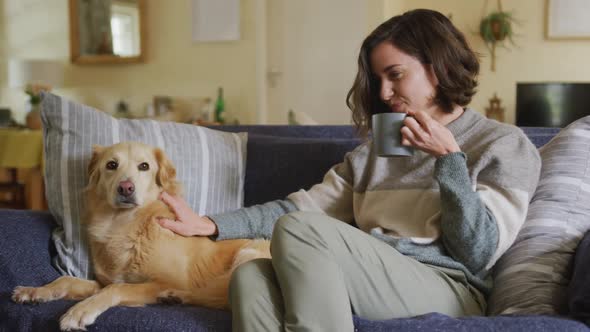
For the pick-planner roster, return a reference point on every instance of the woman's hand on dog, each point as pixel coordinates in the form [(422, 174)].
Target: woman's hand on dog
[(188, 223)]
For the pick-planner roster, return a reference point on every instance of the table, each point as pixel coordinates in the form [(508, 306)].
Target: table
[(22, 149)]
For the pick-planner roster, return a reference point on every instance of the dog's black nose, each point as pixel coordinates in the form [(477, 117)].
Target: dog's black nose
[(126, 188)]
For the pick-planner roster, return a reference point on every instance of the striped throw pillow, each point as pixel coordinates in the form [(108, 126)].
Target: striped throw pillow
[(533, 275), (210, 165)]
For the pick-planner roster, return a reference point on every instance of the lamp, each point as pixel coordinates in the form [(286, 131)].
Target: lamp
[(36, 76)]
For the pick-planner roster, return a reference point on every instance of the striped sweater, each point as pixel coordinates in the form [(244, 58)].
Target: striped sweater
[(461, 211)]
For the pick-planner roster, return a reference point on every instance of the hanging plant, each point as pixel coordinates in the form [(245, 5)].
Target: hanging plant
[(497, 29)]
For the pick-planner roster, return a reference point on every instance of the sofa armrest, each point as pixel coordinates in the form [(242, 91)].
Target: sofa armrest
[(579, 287), (25, 248)]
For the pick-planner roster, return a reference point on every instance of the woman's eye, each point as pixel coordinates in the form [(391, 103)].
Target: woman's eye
[(143, 166), (112, 165), (395, 75)]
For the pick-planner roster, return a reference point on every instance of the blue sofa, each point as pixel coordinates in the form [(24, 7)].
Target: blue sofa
[(280, 160)]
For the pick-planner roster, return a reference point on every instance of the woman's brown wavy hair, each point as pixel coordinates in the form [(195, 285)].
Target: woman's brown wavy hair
[(430, 37)]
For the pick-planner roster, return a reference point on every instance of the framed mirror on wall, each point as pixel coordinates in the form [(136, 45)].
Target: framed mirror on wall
[(107, 31)]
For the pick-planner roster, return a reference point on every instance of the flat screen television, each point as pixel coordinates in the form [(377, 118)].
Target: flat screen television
[(551, 104)]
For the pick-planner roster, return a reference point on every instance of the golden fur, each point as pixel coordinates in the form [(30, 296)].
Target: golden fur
[(136, 261)]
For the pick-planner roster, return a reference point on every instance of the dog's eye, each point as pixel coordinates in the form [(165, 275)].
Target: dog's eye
[(143, 166), (112, 165)]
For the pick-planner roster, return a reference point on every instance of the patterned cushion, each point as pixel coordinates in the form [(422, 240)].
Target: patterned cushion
[(533, 275), (210, 165)]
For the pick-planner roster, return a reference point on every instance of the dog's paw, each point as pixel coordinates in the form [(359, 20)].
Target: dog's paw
[(34, 294), (169, 297), (78, 317)]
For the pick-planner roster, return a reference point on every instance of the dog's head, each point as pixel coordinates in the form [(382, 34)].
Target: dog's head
[(130, 174)]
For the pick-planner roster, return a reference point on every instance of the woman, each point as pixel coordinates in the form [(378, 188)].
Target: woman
[(430, 226)]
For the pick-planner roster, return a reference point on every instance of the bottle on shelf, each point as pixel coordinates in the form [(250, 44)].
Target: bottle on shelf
[(206, 111), (291, 119), (220, 107)]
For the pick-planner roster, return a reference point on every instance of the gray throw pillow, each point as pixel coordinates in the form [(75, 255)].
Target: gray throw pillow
[(533, 275), (210, 166)]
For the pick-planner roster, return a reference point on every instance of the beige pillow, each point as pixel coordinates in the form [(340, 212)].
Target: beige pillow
[(210, 166), (533, 275)]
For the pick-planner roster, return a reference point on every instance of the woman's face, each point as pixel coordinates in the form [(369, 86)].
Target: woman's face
[(405, 83)]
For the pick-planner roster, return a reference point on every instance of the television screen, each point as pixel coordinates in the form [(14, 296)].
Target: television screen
[(551, 104)]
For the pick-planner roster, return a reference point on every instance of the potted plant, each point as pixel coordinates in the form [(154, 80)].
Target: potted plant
[(33, 118), (496, 29)]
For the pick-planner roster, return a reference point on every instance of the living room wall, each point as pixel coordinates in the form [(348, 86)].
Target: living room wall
[(534, 59), (175, 65)]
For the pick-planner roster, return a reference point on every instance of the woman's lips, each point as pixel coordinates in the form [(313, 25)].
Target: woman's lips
[(397, 107)]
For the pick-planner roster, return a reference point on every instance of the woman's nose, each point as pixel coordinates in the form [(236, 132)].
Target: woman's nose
[(386, 91)]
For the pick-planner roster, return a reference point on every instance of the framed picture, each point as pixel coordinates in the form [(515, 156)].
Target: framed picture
[(567, 19), (215, 20)]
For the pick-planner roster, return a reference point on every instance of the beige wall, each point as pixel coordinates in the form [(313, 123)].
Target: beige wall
[(175, 65), (315, 58), (534, 60), (2, 54)]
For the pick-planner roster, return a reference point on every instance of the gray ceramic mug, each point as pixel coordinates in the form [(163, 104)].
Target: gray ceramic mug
[(387, 136)]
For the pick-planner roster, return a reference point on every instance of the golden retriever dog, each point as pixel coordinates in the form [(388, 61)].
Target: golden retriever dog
[(137, 262)]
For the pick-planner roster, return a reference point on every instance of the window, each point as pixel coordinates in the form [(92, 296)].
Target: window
[(125, 28)]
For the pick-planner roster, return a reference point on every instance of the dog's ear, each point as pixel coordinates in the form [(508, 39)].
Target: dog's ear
[(93, 173), (166, 176)]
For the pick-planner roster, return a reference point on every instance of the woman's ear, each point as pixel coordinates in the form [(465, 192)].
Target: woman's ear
[(166, 176), (431, 74), (93, 172)]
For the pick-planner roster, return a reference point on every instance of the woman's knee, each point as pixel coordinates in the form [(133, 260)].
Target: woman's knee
[(298, 228), (289, 226), (247, 275)]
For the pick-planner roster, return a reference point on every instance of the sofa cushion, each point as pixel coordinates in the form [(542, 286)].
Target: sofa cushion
[(532, 276), (210, 165), (25, 236), (297, 131), (278, 166), (540, 136), (438, 322), (159, 318), (45, 317)]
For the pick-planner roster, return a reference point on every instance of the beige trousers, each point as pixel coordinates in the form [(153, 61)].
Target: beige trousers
[(323, 271)]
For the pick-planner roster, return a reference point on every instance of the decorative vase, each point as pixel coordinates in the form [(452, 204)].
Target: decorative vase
[(34, 117)]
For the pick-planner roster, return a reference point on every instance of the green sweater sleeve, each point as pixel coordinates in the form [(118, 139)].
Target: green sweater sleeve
[(252, 222), (469, 229)]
